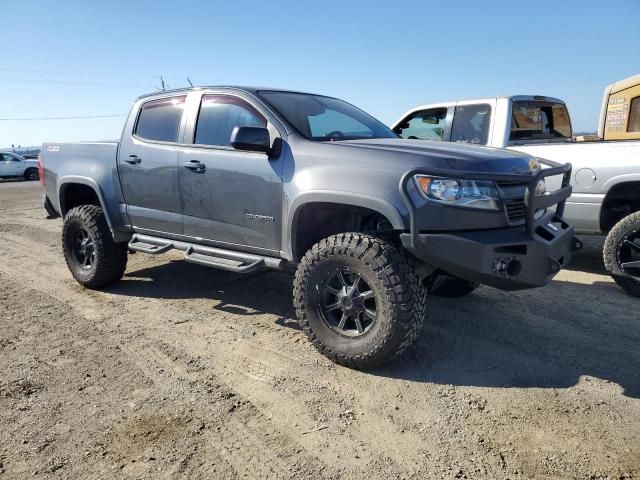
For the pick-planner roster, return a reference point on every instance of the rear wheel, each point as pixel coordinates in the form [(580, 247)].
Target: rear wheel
[(92, 256), (622, 253), (31, 174), (445, 285), (358, 299)]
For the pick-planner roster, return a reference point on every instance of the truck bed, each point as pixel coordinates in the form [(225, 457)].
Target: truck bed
[(90, 163)]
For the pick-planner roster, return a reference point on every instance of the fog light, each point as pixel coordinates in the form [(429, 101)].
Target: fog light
[(508, 267)]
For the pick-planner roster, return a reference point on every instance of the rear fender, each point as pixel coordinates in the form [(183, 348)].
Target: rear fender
[(109, 213)]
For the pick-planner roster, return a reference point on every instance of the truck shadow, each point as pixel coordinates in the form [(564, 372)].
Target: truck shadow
[(589, 258), (543, 338)]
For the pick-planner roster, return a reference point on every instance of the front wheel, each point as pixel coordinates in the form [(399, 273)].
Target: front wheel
[(622, 253), (358, 299), (92, 256)]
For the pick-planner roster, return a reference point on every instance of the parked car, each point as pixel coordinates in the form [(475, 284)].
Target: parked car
[(243, 179), (13, 165), (606, 172)]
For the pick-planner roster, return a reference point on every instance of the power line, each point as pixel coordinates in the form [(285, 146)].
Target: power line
[(85, 74), (75, 82), (20, 119)]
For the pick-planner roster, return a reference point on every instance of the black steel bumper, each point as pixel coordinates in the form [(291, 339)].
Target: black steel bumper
[(511, 258)]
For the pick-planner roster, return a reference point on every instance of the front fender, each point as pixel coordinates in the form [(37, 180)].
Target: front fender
[(383, 207)]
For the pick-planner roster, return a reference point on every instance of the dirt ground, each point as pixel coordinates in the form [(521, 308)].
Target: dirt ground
[(184, 371)]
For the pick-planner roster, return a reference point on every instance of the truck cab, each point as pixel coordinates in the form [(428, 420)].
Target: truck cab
[(496, 122)]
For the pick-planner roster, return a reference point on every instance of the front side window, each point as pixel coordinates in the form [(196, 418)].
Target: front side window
[(220, 114), (539, 121), (159, 120), (321, 118), (471, 124), (424, 125)]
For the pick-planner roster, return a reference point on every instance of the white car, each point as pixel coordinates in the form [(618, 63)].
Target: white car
[(15, 166)]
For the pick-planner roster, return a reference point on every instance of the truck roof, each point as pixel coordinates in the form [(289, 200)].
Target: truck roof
[(623, 84), (516, 98), (252, 90)]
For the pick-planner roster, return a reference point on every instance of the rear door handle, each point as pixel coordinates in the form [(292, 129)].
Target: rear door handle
[(133, 159), (194, 165)]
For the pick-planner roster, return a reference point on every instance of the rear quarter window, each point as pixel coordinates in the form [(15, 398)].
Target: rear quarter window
[(159, 120), (536, 120)]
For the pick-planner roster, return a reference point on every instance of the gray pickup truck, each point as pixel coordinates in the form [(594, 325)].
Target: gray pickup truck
[(243, 179)]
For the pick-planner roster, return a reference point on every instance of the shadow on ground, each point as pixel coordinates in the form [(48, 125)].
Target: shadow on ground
[(544, 338)]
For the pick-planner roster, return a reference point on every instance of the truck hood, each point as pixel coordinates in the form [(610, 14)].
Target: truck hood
[(442, 155)]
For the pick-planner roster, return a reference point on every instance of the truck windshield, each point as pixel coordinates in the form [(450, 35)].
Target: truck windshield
[(539, 120), (320, 118)]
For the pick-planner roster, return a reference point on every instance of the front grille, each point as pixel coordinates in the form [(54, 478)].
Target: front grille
[(516, 209), (512, 194)]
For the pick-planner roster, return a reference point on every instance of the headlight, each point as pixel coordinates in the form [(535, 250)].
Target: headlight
[(466, 193)]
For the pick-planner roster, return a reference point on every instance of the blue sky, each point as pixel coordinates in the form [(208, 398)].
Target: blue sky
[(384, 57)]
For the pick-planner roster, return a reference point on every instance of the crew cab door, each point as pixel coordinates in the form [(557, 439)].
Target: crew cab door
[(229, 197), (148, 165)]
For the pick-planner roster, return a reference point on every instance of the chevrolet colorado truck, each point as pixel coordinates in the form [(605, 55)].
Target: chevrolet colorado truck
[(243, 179), (13, 165), (606, 168)]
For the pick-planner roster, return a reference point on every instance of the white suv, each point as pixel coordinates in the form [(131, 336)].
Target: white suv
[(13, 165)]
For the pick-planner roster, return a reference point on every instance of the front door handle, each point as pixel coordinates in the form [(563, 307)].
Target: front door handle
[(194, 165), (133, 159)]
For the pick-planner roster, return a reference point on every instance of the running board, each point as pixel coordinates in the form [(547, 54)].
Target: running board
[(223, 259)]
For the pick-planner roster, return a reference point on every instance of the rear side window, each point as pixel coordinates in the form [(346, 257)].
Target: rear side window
[(220, 114), (424, 125), (539, 121), (159, 120), (471, 124)]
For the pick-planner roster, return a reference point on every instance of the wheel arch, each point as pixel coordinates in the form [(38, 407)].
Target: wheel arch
[(75, 191), (622, 199), (343, 202)]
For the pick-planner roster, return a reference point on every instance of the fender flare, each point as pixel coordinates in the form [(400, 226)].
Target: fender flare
[(383, 207), (89, 182), (612, 183)]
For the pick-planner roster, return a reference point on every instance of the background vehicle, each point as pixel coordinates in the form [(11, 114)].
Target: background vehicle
[(241, 179), (606, 172), (13, 165)]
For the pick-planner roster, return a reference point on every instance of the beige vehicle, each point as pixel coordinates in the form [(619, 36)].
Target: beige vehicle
[(620, 111)]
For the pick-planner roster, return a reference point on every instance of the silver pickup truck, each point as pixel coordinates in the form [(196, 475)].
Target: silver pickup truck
[(243, 179), (606, 172)]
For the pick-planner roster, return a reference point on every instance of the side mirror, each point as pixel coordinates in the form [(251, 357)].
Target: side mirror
[(253, 139)]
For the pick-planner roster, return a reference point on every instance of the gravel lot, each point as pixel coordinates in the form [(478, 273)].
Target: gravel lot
[(183, 371)]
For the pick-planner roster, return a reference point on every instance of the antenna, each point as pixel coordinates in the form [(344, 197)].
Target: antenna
[(162, 82), (189, 81)]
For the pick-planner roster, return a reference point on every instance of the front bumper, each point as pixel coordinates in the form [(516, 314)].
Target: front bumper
[(508, 259), (511, 258)]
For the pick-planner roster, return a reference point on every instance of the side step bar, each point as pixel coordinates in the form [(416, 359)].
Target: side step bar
[(222, 259)]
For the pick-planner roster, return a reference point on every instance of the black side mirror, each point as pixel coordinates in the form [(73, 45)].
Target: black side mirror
[(253, 139)]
